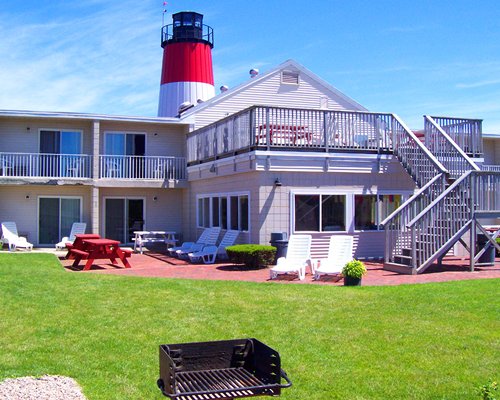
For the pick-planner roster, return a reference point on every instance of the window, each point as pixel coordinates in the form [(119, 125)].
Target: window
[(320, 213), (226, 211), (365, 212), (290, 77), (56, 216), (371, 210)]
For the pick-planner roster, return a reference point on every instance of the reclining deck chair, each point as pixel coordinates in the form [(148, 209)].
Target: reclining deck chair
[(210, 253), (10, 236), (297, 257), (77, 228), (208, 237), (339, 253)]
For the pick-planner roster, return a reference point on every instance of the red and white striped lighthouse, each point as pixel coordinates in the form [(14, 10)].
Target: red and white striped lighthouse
[(187, 73)]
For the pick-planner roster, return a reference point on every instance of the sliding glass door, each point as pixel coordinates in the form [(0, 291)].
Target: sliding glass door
[(55, 143), (56, 216), (122, 217)]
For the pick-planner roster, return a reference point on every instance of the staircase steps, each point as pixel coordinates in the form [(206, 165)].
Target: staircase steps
[(399, 268)]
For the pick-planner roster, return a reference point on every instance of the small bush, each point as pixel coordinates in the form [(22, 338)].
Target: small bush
[(354, 269), (496, 250), (252, 255)]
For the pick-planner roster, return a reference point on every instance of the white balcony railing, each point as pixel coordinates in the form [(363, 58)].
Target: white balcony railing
[(142, 167), (45, 165)]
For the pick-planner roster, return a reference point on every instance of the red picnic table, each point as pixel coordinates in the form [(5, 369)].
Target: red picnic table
[(91, 249), (284, 134)]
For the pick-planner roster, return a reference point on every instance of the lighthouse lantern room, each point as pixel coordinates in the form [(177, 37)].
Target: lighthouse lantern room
[(187, 73)]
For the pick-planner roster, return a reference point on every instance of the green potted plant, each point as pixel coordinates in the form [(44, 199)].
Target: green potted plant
[(352, 272)]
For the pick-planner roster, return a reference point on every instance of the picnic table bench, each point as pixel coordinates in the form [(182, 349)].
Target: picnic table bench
[(92, 249)]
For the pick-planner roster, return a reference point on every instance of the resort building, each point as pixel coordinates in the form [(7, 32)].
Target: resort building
[(283, 152)]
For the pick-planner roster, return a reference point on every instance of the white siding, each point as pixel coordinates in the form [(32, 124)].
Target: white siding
[(161, 140), (270, 91), (15, 136), (24, 211)]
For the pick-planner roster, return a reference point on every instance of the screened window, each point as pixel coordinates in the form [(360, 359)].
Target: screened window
[(320, 213), (228, 212)]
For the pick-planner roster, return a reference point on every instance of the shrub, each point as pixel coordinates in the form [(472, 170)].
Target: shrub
[(498, 252), (354, 269), (252, 255)]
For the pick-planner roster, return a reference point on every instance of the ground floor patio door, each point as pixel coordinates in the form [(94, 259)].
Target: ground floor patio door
[(56, 216), (123, 216)]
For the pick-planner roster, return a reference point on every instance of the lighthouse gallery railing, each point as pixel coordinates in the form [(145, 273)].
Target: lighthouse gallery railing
[(261, 127)]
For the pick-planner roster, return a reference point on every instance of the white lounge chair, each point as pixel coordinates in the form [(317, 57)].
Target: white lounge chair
[(77, 228), (298, 256), (339, 253), (209, 236), (211, 252), (10, 236), (207, 255)]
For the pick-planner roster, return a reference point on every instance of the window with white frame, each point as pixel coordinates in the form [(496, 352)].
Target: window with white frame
[(320, 212), (228, 211), (370, 210)]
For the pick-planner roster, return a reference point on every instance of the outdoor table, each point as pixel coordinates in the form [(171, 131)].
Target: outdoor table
[(98, 249), (285, 133), (142, 237), (78, 243)]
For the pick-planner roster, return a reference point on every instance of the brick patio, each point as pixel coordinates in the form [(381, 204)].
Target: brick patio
[(159, 265)]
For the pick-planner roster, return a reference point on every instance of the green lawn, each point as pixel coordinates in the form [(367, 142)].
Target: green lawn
[(432, 341)]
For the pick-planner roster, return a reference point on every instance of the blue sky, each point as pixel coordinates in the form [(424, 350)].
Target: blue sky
[(407, 57)]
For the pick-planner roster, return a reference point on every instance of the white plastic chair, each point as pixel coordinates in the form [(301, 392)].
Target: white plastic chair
[(207, 255), (211, 252), (77, 228), (339, 253), (195, 247), (228, 239), (10, 236), (298, 256)]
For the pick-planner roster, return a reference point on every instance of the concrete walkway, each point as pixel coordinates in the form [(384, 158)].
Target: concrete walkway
[(156, 264)]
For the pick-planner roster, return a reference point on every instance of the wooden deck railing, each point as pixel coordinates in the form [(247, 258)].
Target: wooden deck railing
[(274, 128), (444, 147), (142, 167), (447, 218), (466, 133), (45, 165)]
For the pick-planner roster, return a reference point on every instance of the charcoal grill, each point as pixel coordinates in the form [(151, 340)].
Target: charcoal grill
[(226, 369)]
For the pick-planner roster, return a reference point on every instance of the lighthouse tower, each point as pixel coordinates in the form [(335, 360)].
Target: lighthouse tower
[(187, 74)]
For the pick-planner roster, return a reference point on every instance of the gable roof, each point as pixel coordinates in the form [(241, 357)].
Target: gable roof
[(287, 65)]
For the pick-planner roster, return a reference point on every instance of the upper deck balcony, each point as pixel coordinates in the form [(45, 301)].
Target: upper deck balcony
[(272, 128)]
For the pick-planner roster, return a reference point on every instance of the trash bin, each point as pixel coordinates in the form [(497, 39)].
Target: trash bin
[(488, 257), (280, 241)]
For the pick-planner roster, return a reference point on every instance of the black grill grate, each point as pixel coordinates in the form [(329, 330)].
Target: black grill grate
[(227, 369)]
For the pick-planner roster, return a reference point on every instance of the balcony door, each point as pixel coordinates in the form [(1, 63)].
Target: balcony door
[(56, 216), (57, 149), (122, 217), (124, 154)]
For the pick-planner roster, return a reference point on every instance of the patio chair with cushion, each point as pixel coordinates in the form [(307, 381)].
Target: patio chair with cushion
[(10, 236), (339, 253), (77, 228), (297, 258)]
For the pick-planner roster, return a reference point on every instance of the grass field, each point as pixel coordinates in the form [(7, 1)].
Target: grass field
[(432, 341)]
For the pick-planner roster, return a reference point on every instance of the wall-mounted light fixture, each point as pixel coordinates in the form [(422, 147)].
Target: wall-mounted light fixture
[(155, 198), (277, 182), (28, 128), (27, 197)]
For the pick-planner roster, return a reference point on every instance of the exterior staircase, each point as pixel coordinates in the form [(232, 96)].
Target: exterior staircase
[(454, 194)]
